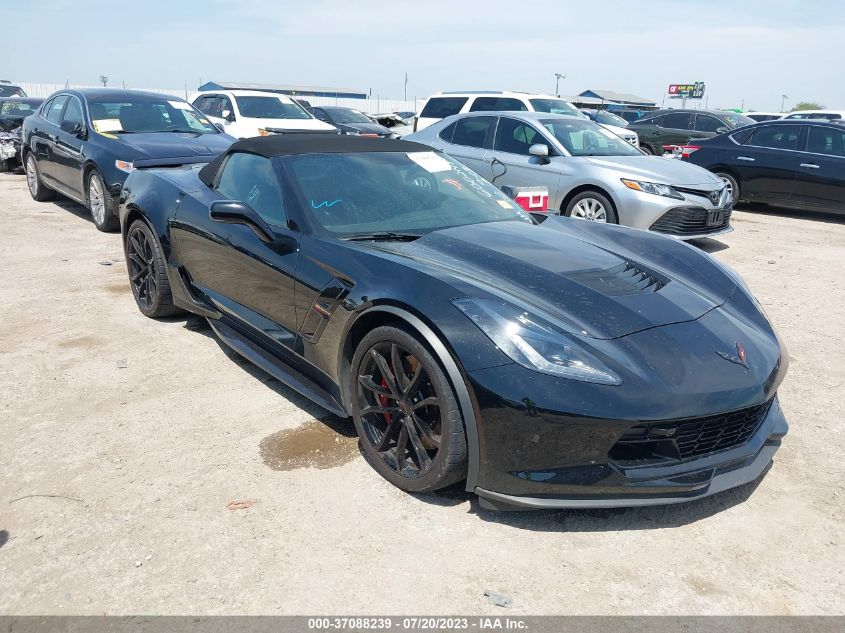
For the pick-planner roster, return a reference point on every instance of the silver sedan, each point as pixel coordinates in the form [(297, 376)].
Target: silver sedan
[(590, 173)]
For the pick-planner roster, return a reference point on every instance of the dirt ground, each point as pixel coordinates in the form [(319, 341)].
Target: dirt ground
[(145, 470)]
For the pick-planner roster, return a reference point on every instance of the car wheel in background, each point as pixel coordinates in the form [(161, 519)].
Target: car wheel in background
[(101, 204), (591, 206), (406, 413), (732, 185), (37, 189), (647, 149), (147, 274)]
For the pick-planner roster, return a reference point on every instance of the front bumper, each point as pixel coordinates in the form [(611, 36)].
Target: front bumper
[(655, 213), (667, 485)]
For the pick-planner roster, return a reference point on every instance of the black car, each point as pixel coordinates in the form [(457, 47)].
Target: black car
[(793, 163), (663, 128), (83, 143), (350, 121), (554, 364), (13, 110)]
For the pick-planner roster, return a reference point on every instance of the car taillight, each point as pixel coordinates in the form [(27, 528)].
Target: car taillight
[(686, 150), (416, 118)]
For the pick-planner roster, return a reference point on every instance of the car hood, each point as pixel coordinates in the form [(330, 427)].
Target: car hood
[(364, 128), (656, 169), (172, 145), (587, 287), (619, 131)]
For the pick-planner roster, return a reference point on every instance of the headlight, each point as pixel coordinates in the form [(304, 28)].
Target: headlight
[(534, 344), (657, 189), (124, 165)]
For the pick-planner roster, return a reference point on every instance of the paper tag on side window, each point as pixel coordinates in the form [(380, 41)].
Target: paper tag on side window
[(180, 105), (430, 161), (108, 125)]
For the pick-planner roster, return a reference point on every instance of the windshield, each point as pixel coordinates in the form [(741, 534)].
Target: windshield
[(128, 116), (343, 115), (270, 108), (396, 192), (11, 91), (585, 138), (608, 118), (737, 120), (556, 106)]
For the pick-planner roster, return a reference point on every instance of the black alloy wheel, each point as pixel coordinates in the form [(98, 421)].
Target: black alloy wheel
[(406, 413), (147, 277)]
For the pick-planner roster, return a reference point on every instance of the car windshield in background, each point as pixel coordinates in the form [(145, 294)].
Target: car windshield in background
[(738, 120), (556, 106), (607, 118), (270, 108), (18, 108), (395, 192), (147, 115), (349, 116), (585, 138), (11, 91)]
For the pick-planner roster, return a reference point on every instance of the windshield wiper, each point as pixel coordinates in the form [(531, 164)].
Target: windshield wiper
[(384, 236)]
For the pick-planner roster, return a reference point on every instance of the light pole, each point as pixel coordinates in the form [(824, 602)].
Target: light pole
[(104, 80), (783, 101), (558, 77)]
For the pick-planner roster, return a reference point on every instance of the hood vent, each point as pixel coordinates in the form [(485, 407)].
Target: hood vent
[(625, 279)]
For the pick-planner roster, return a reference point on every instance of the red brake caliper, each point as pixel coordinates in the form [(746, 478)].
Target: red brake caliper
[(384, 400)]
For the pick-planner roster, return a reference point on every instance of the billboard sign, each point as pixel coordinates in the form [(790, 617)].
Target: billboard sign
[(687, 91)]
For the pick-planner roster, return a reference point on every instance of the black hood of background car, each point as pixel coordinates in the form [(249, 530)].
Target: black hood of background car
[(600, 292), (170, 145), (363, 128)]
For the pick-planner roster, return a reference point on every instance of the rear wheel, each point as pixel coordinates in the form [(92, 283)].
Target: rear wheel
[(406, 412), (731, 184), (101, 204), (591, 206), (147, 274), (37, 189)]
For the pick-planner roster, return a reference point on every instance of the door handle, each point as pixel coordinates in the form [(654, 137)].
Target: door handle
[(809, 165), (747, 159)]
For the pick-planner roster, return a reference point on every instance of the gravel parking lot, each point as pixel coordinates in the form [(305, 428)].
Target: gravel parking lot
[(146, 470)]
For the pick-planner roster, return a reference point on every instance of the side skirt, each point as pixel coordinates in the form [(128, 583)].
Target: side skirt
[(276, 367)]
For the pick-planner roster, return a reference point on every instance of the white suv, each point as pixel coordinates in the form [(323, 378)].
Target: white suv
[(248, 113), (444, 104)]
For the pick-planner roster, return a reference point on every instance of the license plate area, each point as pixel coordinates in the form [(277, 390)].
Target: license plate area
[(716, 217)]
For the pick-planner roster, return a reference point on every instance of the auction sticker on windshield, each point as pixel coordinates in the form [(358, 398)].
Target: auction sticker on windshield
[(108, 125), (430, 161)]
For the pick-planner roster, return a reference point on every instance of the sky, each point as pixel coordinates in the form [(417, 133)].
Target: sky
[(748, 52)]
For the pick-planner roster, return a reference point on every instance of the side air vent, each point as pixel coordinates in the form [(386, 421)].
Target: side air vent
[(625, 279)]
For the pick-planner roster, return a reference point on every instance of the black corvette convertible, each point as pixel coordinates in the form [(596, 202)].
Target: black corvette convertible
[(550, 363)]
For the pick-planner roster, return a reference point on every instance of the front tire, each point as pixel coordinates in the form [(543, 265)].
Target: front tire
[(147, 273), (37, 189), (406, 412), (732, 183), (593, 207), (101, 204)]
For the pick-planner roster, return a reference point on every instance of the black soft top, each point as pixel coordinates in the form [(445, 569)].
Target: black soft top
[(288, 144)]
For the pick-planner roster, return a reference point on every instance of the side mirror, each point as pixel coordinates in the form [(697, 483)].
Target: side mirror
[(77, 129), (722, 130), (237, 212), (220, 127), (541, 151), (228, 115)]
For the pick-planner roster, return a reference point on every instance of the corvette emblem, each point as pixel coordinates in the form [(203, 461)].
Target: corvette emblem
[(739, 359)]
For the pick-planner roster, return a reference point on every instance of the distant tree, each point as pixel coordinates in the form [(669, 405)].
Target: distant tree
[(808, 105)]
